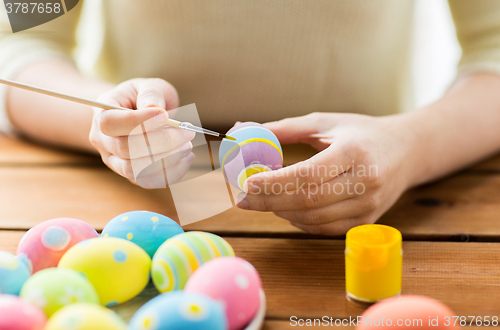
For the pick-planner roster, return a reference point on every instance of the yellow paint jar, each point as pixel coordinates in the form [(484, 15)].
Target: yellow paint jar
[(373, 263)]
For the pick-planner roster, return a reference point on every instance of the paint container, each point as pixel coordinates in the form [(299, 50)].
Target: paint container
[(373, 263)]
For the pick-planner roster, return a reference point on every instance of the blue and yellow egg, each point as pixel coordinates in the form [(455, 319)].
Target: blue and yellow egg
[(13, 273), (147, 229), (181, 255), (255, 150), (180, 311)]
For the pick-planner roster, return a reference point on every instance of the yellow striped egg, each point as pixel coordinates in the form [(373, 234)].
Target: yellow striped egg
[(181, 255)]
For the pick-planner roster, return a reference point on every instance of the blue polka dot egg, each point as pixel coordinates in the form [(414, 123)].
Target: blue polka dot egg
[(180, 311), (13, 273), (147, 229), (118, 268)]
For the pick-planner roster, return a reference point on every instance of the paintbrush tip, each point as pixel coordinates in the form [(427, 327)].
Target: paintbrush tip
[(224, 136)]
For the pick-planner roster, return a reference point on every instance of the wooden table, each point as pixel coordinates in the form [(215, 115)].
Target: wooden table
[(451, 232)]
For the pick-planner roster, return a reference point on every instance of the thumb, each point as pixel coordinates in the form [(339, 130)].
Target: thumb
[(294, 130)]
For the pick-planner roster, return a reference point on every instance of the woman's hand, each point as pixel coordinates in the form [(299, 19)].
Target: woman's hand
[(130, 141), (364, 165)]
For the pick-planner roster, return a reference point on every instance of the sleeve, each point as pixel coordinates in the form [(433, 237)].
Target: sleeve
[(54, 39), (477, 25)]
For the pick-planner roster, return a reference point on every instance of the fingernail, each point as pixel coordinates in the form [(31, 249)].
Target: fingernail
[(243, 204), (161, 118), (151, 104)]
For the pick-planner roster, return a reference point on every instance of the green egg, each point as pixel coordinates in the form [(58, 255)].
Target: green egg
[(53, 288)]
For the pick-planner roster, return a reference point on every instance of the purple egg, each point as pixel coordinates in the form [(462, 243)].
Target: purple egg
[(246, 124), (251, 156)]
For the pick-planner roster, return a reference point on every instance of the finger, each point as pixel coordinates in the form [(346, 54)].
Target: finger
[(124, 95), (168, 176), (168, 138), (126, 122), (322, 167), (131, 169), (160, 141), (349, 208), (154, 143), (156, 93), (332, 229), (277, 198), (296, 129)]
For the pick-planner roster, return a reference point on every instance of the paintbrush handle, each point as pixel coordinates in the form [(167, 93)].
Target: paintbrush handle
[(171, 122)]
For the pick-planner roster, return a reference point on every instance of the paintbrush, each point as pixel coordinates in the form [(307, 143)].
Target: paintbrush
[(171, 122)]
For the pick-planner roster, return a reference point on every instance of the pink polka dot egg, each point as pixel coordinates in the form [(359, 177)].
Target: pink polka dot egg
[(233, 281), (17, 314), (44, 245)]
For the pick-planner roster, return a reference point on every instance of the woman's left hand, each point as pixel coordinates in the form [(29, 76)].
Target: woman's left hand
[(364, 164)]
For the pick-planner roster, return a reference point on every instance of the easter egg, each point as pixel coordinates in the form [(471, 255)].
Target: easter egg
[(118, 269), (84, 316), (181, 255), (13, 273), (45, 244), (180, 311), (16, 314), (407, 312), (53, 288), (255, 150), (147, 229), (234, 281)]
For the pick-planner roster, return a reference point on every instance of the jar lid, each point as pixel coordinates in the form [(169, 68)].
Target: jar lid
[(373, 244)]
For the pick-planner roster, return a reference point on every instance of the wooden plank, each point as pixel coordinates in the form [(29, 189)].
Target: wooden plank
[(96, 195), (464, 206), (9, 240), (16, 152), (21, 152), (306, 277)]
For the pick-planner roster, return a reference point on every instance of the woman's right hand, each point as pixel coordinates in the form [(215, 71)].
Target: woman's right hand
[(130, 141)]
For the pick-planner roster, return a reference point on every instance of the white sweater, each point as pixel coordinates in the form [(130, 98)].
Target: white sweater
[(259, 60)]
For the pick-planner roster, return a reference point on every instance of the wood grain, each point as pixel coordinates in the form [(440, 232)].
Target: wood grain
[(9, 240), (95, 195), (462, 207), (306, 277), (17, 152)]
